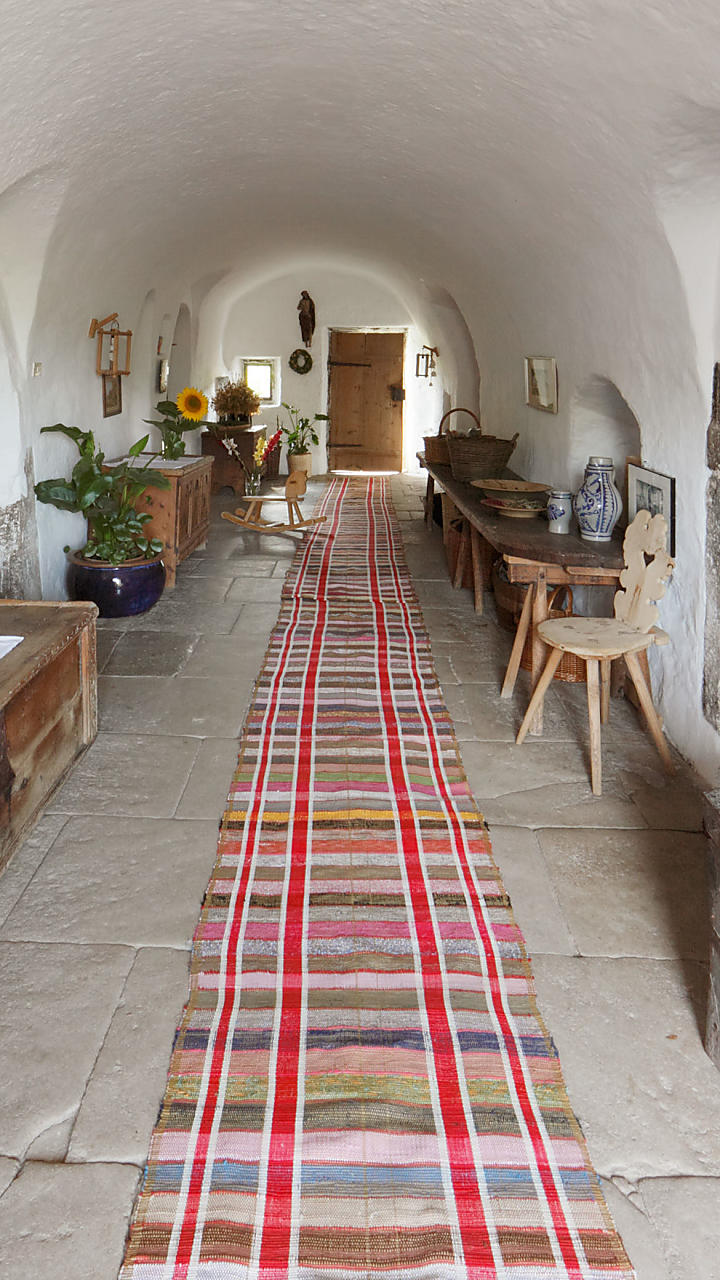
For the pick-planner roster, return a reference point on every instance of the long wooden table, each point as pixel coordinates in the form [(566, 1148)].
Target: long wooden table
[(533, 556)]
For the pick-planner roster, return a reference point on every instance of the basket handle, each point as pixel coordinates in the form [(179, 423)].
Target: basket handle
[(568, 599), (447, 415)]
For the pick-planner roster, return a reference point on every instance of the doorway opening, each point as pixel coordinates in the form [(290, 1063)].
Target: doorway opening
[(365, 398)]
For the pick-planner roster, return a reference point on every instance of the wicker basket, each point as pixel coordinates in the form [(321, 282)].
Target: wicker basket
[(436, 447), (436, 450), (473, 457)]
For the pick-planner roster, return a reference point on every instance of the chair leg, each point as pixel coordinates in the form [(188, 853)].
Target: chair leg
[(593, 697), (605, 666), (540, 690), (523, 627), (651, 716)]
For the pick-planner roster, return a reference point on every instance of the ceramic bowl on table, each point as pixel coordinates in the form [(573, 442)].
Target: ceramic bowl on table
[(518, 498)]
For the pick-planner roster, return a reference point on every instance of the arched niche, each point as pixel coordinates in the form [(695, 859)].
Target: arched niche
[(180, 371), (602, 422)]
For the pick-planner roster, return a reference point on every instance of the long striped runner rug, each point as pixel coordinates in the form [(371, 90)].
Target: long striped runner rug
[(361, 1085)]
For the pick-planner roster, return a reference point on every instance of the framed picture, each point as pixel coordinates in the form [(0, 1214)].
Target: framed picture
[(112, 394), (651, 491), (541, 391), (162, 375)]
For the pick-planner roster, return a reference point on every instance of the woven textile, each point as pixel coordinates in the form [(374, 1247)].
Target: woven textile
[(361, 1085)]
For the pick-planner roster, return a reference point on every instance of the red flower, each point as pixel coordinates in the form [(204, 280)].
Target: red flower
[(272, 443)]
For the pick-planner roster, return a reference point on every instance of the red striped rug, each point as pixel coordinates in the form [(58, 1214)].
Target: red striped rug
[(361, 1085)]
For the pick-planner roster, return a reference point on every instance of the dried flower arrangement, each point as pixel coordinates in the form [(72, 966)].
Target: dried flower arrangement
[(235, 400)]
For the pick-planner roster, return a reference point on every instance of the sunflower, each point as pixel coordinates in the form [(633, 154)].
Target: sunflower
[(192, 404)]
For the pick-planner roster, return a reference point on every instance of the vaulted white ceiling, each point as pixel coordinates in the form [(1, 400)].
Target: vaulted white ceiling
[(474, 137)]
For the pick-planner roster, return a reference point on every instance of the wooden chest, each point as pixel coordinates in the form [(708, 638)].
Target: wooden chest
[(180, 514), (48, 706)]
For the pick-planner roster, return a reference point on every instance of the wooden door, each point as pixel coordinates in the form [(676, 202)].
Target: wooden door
[(366, 413)]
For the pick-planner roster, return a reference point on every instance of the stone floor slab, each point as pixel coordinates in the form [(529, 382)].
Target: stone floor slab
[(106, 641), (182, 615), (149, 653), (642, 1242), (205, 566), (229, 658), (674, 805), (138, 881), (9, 1169), (126, 1087), (566, 804), (206, 793), (26, 859), (124, 773), (645, 1092), (686, 1215), (63, 1221), (479, 713), (257, 620), (631, 893), (525, 876), (174, 706), (262, 590), (57, 1005)]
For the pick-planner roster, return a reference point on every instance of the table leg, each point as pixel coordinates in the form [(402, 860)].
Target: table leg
[(539, 649), (429, 498), (448, 511), (478, 585), (516, 652), (461, 555)]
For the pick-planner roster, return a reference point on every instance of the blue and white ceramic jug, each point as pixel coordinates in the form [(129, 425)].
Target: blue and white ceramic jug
[(597, 502), (559, 511)]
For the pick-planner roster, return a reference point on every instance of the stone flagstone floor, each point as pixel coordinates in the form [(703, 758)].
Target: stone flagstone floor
[(98, 907)]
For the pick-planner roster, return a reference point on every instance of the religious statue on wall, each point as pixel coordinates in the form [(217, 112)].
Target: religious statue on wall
[(306, 307)]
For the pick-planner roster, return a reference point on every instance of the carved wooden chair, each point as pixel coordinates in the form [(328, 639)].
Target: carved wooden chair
[(629, 634), (251, 517)]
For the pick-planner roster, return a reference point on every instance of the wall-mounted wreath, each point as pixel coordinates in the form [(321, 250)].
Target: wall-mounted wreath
[(300, 361)]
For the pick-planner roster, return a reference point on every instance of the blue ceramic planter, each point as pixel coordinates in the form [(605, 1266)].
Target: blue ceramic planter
[(118, 590)]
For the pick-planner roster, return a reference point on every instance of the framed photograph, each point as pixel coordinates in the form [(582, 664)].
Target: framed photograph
[(541, 389), (652, 491), (112, 394), (162, 375)]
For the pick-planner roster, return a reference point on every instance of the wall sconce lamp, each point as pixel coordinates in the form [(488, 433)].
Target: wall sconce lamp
[(425, 362), (113, 345)]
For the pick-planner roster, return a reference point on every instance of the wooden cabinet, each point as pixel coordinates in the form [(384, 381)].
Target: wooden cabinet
[(48, 706), (180, 514), (227, 471)]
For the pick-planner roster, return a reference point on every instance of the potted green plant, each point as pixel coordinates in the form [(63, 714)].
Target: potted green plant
[(235, 403), (177, 416), (299, 437), (118, 568)]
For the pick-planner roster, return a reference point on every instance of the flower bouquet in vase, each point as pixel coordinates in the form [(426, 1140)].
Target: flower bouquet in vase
[(263, 449)]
